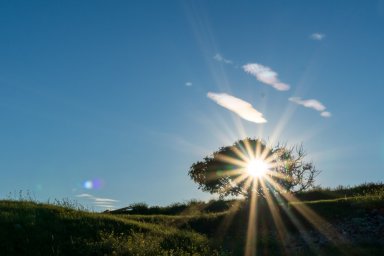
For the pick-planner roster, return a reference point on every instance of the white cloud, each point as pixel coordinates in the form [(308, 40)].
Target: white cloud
[(326, 114), (84, 195), (106, 206), (265, 75), (188, 84), (311, 103), (315, 104), (99, 201), (240, 107), (317, 36), (220, 58)]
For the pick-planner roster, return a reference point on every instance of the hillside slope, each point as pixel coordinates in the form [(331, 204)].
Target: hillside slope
[(348, 226)]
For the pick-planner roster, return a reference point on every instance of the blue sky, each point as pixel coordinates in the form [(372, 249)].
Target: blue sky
[(110, 102)]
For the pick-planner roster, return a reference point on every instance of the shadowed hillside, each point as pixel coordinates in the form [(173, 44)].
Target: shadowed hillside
[(342, 221)]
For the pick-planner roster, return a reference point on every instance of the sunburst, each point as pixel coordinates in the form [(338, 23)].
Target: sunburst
[(257, 168)]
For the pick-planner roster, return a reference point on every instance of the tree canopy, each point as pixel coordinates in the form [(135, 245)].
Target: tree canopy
[(227, 171)]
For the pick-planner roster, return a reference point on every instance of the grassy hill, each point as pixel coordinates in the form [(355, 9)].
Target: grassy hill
[(28, 228), (341, 221)]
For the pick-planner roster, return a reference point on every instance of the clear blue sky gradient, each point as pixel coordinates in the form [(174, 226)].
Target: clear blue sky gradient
[(97, 90)]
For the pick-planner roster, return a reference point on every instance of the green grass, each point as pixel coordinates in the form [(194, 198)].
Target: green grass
[(192, 228)]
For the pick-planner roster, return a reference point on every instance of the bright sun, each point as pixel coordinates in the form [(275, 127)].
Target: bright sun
[(257, 168)]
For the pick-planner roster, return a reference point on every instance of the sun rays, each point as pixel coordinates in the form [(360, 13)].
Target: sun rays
[(258, 169), (252, 162)]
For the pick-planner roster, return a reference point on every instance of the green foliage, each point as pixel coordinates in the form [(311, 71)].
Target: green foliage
[(218, 205), (220, 173)]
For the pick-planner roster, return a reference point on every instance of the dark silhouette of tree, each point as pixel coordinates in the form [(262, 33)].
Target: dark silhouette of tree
[(225, 171)]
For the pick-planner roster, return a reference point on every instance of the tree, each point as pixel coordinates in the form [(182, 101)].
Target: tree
[(227, 171)]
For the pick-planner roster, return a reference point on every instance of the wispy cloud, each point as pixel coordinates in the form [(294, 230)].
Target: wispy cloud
[(220, 58), (84, 195), (317, 36), (265, 75), (240, 107), (188, 84), (99, 201), (326, 114), (312, 103), (104, 200)]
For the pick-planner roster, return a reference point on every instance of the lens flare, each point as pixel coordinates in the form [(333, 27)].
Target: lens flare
[(257, 168), (93, 184)]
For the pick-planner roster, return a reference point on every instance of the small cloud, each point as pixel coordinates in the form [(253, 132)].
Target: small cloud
[(188, 84), (311, 103), (108, 206), (265, 75), (99, 201), (326, 114), (315, 104), (220, 58), (240, 107), (317, 36), (84, 195), (103, 200)]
